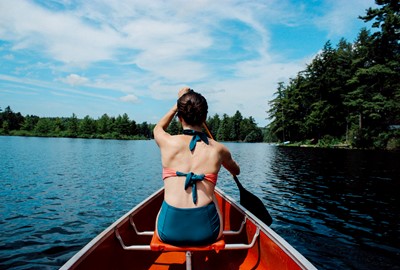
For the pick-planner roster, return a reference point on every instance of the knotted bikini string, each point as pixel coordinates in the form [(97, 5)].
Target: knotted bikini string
[(197, 136), (191, 180)]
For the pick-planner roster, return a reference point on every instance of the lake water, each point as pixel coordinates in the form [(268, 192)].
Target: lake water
[(339, 208)]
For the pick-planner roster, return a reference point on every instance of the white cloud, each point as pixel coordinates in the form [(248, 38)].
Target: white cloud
[(129, 99), (250, 92), (8, 57), (61, 35), (43, 86), (341, 14), (75, 80)]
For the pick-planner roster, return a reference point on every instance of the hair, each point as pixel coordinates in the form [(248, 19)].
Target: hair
[(193, 108)]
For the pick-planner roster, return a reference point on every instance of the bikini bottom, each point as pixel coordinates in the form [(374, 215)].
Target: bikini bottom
[(188, 226)]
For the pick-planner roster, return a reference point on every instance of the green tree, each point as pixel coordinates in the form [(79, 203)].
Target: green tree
[(235, 122), (133, 127), (249, 132), (213, 124), (356, 100), (277, 113), (223, 132), (104, 124), (174, 127), (87, 127), (1, 118), (73, 126), (30, 122), (145, 130), (14, 120), (5, 127), (59, 126), (123, 125), (44, 127), (374, 102), (386, 18), (385, 69)]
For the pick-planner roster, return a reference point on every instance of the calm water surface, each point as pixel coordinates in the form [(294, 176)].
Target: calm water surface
[(339, 208)]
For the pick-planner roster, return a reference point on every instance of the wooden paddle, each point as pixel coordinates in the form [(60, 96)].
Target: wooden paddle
[(247, 199)]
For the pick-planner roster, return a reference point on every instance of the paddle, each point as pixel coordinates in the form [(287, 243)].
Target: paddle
[(248, 200)]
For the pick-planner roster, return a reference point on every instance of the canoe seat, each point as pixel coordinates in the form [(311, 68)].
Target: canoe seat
[(157, 245)]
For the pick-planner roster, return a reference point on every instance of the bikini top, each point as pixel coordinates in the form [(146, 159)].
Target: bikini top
[(192, 178)]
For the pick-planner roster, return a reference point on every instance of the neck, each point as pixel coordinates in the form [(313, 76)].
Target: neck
[(196, 128)]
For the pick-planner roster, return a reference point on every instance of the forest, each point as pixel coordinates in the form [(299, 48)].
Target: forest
[(235, 128), (348, 94)]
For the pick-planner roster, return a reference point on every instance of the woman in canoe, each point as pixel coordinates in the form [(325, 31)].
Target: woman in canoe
[(189, 214)]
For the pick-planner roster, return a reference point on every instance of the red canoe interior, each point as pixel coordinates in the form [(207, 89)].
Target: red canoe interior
[(107, 253)]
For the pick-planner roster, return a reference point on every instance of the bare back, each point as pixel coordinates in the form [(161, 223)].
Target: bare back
[(204, 159)]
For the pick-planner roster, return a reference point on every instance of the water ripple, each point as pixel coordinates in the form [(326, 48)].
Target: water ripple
[(338, 208)]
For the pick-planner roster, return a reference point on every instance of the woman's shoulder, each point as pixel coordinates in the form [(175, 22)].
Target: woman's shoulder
[(218, 146), (175, 140), (215, 143)]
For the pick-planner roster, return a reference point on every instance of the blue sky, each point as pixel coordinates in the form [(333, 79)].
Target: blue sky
[(126, 56)]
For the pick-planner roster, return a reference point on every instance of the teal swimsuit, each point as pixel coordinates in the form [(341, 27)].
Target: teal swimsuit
[(189, 226)]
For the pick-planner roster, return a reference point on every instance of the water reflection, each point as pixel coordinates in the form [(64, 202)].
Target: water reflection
[(339, 205)]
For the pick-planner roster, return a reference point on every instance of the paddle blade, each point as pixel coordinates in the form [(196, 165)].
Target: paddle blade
[(253, 204)]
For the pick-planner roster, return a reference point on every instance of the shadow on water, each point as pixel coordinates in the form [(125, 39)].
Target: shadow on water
[(339, 207)]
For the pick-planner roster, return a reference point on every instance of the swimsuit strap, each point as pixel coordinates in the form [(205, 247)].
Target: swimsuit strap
[(197, 136), (191, 180)]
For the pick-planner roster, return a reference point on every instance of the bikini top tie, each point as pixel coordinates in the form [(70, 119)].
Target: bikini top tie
[(197, 137), (191, 180)]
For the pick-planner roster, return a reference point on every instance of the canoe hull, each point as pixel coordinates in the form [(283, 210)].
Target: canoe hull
[(269, 252)]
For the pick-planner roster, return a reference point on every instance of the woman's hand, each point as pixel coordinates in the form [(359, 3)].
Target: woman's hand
[(183, 91)]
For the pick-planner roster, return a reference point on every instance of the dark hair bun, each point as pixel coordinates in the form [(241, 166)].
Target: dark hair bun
[(193, 108)]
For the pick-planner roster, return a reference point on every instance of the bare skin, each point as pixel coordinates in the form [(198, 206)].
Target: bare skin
[(204, 159)]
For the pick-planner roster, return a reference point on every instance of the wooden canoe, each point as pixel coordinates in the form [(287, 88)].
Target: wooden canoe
[(126, 244)]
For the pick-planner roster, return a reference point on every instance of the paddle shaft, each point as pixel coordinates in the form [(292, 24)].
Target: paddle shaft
[(247, 199), (211, 136)]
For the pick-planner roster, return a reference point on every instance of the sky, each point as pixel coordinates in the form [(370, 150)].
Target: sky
[(60, 57)]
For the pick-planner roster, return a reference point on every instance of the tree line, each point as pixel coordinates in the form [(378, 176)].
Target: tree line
[(235, 128), (105, 127), (230, 128), (348, 93)]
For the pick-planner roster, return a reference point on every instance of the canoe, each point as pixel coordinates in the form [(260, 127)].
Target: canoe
[(129, 243)]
